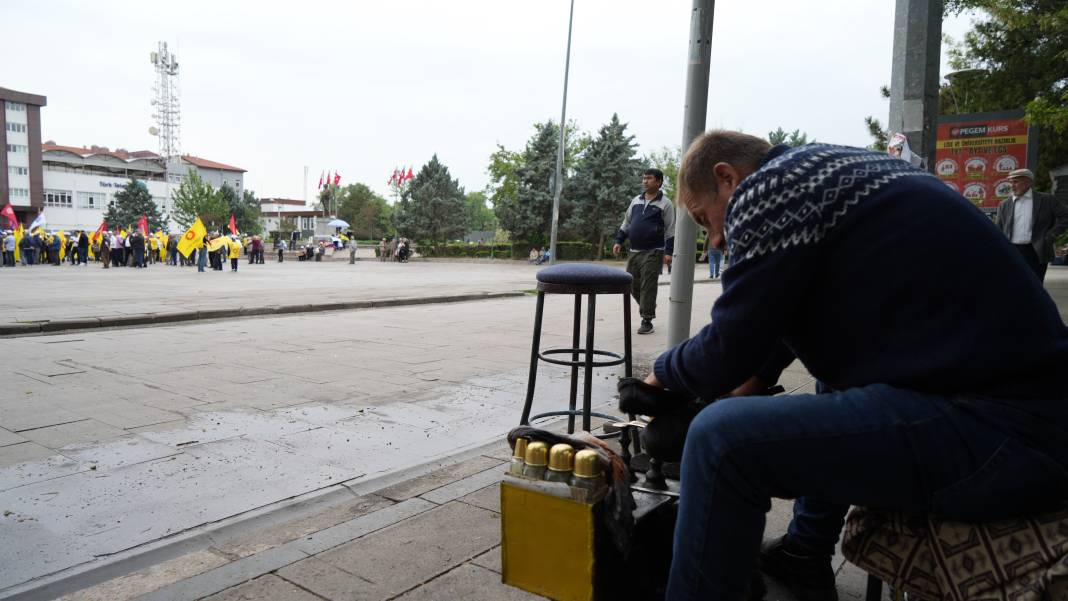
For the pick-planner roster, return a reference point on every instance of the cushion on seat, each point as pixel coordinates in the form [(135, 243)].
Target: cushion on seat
[(573, 274)]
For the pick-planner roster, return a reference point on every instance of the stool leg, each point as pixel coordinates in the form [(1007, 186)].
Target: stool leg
[(576, 328), (875, 589), (627, 371), (587, 383), (525, 420)]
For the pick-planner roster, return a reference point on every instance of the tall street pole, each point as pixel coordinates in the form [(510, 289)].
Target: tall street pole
[(693, 125), (914, 74), (560, 154)]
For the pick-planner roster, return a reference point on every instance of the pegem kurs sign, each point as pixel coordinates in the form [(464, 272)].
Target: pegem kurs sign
[(975, 153)]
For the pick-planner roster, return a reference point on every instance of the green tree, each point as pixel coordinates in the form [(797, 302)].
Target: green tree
[(521, 187), (479, 216), (433, 207), (197, 198), (668, 161), (793, 138), (244, 208), (604, 181), (368, 213), (130, 204), (1017, 56)]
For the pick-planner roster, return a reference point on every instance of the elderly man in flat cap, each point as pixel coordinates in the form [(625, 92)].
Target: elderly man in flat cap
[(1032, 221)]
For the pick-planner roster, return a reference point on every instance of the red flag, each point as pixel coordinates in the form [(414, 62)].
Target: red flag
[(142, 224), (410, 176), (9, 212), (320, 180), (103, 227), (337, 178), (233, 225), (393, 177)]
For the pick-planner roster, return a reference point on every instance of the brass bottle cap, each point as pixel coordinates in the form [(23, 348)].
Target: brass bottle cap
[(520, 450), (560, 457), (537, 454), (588, 464)]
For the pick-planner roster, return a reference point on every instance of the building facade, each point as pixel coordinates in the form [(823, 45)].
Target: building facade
[(80, 183), (20, 152), (291, 217)]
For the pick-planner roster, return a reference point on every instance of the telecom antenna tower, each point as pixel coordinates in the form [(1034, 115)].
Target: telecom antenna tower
[(166, 105)]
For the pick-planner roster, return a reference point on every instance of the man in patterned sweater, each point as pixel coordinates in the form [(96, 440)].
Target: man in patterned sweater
[(943, 388)]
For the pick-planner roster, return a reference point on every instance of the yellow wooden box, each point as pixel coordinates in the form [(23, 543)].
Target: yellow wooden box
[(549, 534)]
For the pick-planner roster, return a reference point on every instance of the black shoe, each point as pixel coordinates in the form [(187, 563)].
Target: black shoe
[(646, 327), (809, 577), (637, 397)]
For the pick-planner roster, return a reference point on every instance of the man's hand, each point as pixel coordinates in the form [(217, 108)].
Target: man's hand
[(616, 249), (652, 381), (667, 259), (752, 386)]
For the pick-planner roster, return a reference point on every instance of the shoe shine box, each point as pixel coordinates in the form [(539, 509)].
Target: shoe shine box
[(553, 541)]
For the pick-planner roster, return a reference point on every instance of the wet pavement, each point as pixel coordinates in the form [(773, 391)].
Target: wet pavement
[(111, 440), (342, 455)]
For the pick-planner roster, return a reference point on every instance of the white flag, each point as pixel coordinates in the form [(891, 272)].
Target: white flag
[(39, 222)]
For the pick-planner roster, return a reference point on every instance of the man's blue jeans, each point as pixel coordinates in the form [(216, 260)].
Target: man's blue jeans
[(876, 446), (715, 258), (202, 258)]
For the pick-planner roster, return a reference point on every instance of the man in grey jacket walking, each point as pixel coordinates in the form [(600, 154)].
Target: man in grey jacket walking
[(1032, 221)]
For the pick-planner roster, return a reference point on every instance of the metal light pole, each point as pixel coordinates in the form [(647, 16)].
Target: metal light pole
[(693, 124), (560, 154)]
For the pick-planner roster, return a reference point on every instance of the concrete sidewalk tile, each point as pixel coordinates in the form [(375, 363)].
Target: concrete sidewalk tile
[(22, 452), (486, 498), (150, 578), (430, 544), (330, 582), (29, 413), (227, 576), (88, 430), (265, 587), (491, 560), (470, 583), (361, 526), (468, 485), (256, 541), (438, 478), (8, 437)]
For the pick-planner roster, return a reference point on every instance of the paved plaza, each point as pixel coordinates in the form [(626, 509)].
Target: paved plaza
[(325, 455)]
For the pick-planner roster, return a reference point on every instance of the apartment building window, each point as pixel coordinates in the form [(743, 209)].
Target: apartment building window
[(15, 170), (58, 198), (91, 200), (15, 106), (16, 127), (307, 223), (17, 148), (19, 192), (161, 202)]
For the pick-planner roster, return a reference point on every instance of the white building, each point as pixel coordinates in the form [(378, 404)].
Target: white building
[(80, 183), (20, 154), (305, 220)]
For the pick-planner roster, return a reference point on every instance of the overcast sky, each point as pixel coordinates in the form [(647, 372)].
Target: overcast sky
[(360, 87)]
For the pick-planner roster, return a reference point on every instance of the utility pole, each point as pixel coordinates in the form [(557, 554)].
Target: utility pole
[(693, 125), (914, 73), (559, 187)]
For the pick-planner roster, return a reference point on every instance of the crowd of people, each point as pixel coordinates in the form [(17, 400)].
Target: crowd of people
[(397, 249)]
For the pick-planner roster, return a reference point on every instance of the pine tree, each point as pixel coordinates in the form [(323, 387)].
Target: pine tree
[(131, 203), (433, 207), (604, 182), (244, 208)]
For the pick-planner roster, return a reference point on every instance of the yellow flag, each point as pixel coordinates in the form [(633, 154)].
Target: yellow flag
[(193, 238), (162, 245), (62, 245), (217, 243)]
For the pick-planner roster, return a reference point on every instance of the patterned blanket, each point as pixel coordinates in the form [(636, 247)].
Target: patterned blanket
[(1023, 559)]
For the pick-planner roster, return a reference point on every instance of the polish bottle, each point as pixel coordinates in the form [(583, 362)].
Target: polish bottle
[(561, 459), (518, 457), (536, 461)]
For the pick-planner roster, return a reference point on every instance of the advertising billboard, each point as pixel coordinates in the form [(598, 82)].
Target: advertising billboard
[(975, 153)]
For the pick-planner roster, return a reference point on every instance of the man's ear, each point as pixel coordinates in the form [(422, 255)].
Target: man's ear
[(725, 175)]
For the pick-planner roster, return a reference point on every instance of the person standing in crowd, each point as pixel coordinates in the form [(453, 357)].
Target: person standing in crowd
[(382, 249), (83, 248), (9, 249), (650, 224), (26, 250), (714, 256), (280, 245), (1032, 221), (54, 244), (172, 250), (105, 250), (235, 253), (392, 249), (202, 257), (137, 243), (257, 249)]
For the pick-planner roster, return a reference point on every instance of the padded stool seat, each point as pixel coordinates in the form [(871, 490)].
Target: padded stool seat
[(578, 279)]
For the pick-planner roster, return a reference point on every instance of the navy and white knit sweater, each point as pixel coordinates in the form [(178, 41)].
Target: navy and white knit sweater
[(871, 271)]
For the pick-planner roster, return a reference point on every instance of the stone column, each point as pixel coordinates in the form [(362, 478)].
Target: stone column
[(914, 74)]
